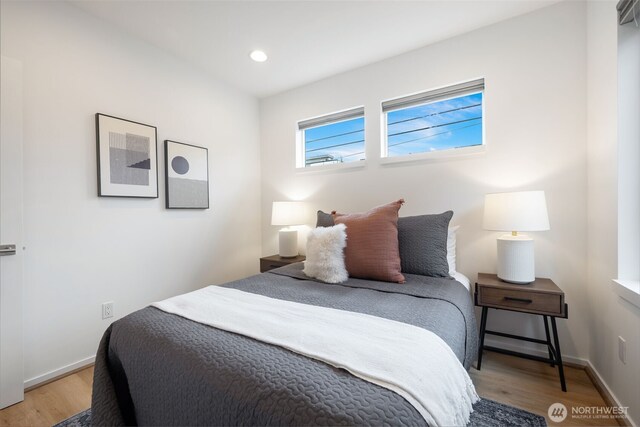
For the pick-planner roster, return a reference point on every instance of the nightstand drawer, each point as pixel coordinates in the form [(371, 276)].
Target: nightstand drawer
[(266, 265), (521, 301), (275, 261)]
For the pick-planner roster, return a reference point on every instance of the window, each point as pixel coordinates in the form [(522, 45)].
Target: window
[(441, 119), (331, 139), (628, 145)]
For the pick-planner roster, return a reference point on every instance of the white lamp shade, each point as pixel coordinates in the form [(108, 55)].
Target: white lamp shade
[(288, 213), (517, 211)]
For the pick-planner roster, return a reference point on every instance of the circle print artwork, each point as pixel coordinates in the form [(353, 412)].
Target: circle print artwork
[(180, 165)]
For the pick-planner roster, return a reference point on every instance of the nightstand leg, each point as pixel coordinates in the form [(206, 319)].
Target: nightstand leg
[(559, 353), (483, 327), (546, 331)]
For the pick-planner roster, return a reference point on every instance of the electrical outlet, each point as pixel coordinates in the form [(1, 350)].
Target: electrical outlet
[(622, 350), (107, 310)]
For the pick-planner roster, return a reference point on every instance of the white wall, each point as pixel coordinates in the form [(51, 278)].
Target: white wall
[(610, 316), (534, 69), (83, 250)]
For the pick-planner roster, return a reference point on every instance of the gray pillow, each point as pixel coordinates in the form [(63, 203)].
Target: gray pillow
[(324, 220), (423, 244)]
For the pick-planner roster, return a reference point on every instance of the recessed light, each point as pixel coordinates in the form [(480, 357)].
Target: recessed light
[(258, 56)]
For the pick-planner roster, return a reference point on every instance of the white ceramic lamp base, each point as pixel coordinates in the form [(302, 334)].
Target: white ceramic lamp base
[(516, 263), (288, 243)]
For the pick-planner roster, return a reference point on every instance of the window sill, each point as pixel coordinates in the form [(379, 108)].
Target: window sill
[(628, 290), (450, 154), (333, 168)]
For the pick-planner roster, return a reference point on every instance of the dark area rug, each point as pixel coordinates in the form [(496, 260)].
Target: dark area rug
[(487, 413), (82, 419)]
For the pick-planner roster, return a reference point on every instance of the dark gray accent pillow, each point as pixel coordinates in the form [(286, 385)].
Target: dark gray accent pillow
[(423, 244), (324, 220)]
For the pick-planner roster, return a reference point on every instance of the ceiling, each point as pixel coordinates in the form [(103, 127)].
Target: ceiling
[(305, 40)]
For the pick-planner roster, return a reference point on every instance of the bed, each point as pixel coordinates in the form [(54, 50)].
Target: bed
[(156, 368)]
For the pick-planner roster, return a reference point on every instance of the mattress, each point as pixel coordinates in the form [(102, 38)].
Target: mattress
[(155, 368)]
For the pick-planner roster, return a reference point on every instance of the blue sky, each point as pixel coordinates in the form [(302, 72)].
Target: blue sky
[(419, 129), (439, 125), (346, 145)]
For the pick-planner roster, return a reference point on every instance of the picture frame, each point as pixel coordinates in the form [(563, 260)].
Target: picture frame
[(127, 158), (186, 175)]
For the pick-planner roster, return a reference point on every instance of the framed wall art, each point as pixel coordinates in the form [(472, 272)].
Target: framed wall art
[(127, 158), (187, 176)]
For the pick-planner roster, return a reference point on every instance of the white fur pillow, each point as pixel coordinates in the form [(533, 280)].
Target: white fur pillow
[(325, 256)]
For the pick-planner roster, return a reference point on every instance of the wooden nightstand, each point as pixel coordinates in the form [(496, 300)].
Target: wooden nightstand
[(542, 297), (274, 261)]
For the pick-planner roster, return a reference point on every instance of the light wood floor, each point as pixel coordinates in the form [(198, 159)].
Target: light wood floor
[(51, 403), (534, 386), (529, 385)]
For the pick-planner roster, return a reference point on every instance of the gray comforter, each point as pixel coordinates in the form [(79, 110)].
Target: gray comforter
[(155, 368)]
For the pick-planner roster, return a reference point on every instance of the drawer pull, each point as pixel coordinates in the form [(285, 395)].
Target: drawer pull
[(524, 300), (274, 266)]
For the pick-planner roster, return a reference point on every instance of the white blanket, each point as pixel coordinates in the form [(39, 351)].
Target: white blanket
[(411, 361)]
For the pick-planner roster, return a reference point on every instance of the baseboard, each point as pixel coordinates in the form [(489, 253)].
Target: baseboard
[(572, 361), (606, 393), (58, 373)]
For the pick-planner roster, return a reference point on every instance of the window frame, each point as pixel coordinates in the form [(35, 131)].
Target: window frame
[(439, 154), (339, 116)]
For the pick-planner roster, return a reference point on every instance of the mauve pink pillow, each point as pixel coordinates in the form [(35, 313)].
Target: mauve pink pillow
[(372, 243)]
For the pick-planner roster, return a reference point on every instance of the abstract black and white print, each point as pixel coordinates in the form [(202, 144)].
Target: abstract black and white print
[(127, 158), (187, 176)]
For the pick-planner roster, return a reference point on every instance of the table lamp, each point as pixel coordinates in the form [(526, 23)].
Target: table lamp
[(288, 214), (515, 212)]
